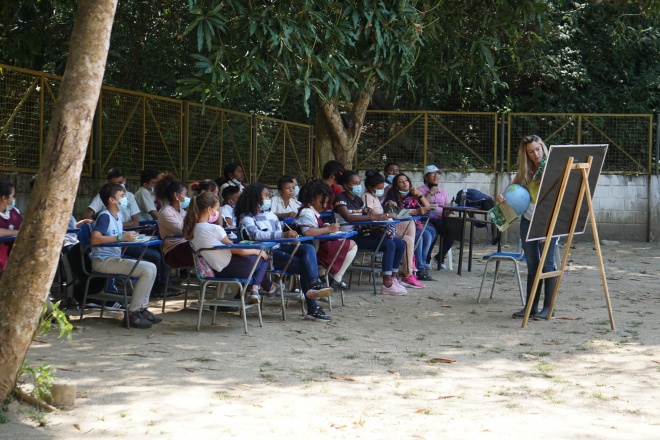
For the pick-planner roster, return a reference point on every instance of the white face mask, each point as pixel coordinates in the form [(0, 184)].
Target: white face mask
[(296, 191)]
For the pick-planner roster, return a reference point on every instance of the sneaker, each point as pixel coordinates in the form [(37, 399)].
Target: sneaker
[(146, 314), (254, 297), (423, 275), (443, 266), (275, 292), (136, 319), (394, 290), (412, 282), (113, 306), (318, 315), (318, 290)]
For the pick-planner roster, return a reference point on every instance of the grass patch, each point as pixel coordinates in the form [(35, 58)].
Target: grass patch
[(495, 350), (473, 312), (341, 338), (266, 364), (268, 377), (352, 356), (419, 354), (535, 353), (221, 395), (385, 361)]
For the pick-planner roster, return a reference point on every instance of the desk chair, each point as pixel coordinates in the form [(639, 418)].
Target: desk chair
[(85, 236), (218, 300), (499, 257), (168, 269)]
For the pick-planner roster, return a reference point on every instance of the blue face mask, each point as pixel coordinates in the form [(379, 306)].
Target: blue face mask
[(296, 191), (380, 192), (356, 189), (12, 206), (390, 177), (185, 203), (266, 205), (404, 193), (236, 181), (123, 203)]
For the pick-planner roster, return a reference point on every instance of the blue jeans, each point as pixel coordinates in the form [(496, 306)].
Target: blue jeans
[(304, 263), (392, 249), (425, 245), (533, 250)]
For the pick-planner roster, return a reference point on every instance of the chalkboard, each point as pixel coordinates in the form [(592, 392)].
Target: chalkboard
[(551, 183)]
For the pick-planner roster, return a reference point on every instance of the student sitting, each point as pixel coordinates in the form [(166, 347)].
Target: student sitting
[(314, 196), (349, 207), (129, 211), (331, 172), (232, 175), (109, 229), (285, 205), (177, 252), (258, 223), (10, 220), (229, 198), (404, 195), (145, 196), (200, 229), (390, 170), (206, 185)]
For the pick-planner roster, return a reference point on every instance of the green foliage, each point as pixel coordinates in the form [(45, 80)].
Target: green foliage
[(40, 377), (334, 50), (52, 313)]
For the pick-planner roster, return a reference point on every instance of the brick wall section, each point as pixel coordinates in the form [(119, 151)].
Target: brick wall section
[(627, 207)]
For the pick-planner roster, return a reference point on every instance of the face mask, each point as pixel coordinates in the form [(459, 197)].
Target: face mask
[(12, 206), (185, 203), (123, 203), (266, 205), (357, 189), (236, 181), (390, 178), (151, 188), (380, 192), (296, 190), (123, 185), (214, 217), (404, 193)]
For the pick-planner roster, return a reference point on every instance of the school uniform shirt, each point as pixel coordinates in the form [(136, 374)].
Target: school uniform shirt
[(146, 202), (279, 208), (126, 213), (225, 185), (109, 226), (227, 211), (11, 219), (354, 206), (208, 235), (170, 222), (438, 199), (263, 226)]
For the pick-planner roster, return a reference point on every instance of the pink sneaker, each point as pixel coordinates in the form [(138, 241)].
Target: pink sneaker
[(394, 290), (396, 281), (411, 281)]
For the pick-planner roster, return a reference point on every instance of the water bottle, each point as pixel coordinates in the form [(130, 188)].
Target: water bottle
[(464, 195), (453, 201)]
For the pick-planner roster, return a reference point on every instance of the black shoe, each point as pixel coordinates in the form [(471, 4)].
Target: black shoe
[(521, 314), (175, 281), (423, 275), (318, 315), (338, 284), (137, 320)]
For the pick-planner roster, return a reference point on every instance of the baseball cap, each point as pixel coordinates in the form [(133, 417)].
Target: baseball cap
[(432, 169)]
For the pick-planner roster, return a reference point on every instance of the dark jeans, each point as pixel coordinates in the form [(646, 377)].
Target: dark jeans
[(393, 250), (304, 263), (446, 243), (533, 250), (240, 267)]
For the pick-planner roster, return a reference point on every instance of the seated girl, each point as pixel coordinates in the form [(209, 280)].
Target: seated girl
[(285, 205), (258, 223), (314, 196), (198, 227), (349, 207), (375, 184), (176, 250), (205, 186), (232, 175), (229, 198), (10, 220), (404, 195)]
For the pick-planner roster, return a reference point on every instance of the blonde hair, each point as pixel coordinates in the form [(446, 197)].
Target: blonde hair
[(526, 169)]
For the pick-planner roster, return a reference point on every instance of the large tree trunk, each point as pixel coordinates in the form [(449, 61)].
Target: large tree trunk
[(336, 139), (32, 264)]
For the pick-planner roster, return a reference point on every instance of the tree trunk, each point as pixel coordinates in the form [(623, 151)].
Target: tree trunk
[(334, 138), (32, 264)]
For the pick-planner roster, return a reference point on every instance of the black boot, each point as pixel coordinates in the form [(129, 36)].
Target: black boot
[(550, 284), (535, 303)]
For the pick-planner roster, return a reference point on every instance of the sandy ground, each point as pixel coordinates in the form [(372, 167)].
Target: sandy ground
[(370, 374)]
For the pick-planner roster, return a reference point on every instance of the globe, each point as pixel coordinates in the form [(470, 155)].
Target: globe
[(517, 197)]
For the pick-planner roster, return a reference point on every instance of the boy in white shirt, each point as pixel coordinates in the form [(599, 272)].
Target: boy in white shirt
[(129, 213), (145, 196), (286, 205)]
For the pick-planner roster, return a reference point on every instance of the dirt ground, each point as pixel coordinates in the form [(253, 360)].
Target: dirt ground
[(372, 373)]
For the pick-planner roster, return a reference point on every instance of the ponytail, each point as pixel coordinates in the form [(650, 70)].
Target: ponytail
[(197, 205)]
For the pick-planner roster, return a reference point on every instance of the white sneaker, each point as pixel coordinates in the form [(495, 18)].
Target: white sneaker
[(394, 290), (398, 283)]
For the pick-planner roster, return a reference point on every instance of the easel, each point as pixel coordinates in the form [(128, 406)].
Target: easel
[(584, 168)]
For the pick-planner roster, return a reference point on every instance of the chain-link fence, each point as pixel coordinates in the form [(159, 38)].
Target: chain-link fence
[(136, 131), (630, 137), (464, 141)]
